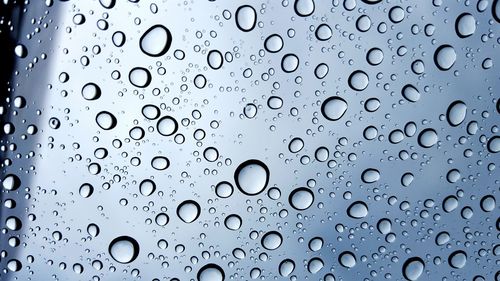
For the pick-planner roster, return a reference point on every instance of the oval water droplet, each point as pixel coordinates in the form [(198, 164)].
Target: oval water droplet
[(211, 272), (428, 138), (465, 25), (246, 18), (456, 113), (413, 268), (445, 57), (272, 240), (106, 120), (357, 210), (347, 259), (139, 77)]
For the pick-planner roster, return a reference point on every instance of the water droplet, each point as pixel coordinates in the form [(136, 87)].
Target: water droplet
[(457, 259), (124, 249), (286, 267), (347, 259), (86, 190), (358, 80), (357, 210), (11, 182), (370, 175), (147, 187), (494, 144), (273, 43), (214, 59), (304, 8), (315, 265), (188, 211), (156, 41), (251, 177), (445, 57), (272, 240), (233, 222), (427, 138), (139, 77), (106, 120), (91, 91), (160, 163), (413, 268), (323, 32), (333, 108), (410, 93), (465, 25), (296, 145), (224, 189), (456, 113), (211, 272), (289, 63), (167, 126), (301, 198), (246, 18)]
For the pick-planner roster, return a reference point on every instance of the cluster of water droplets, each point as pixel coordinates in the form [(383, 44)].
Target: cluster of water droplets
[(221, 140)]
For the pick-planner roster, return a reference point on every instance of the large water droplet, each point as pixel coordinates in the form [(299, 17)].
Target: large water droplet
[(139, 77), (456, 113), (124, 249), (106, 120), (188, 211), (211, 272), (91, 91), (357, 210), (457, 259), (286, 267), (246, 18), (301, 198), (358, 80), (347, 259), (445, 57), (251, 177), (147, 187), (413, 268), (465, 25), (156, 41), (167, 126), (272, 240), (427, 138), (333, 108), (304, 8)]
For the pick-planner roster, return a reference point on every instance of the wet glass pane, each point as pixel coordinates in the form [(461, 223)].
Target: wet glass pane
[(249, 140)]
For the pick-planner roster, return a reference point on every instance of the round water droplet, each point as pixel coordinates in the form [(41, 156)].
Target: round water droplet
[(289, 63), (211, 272), (323, 32), (450, 203), (321, 70), (375, 56), (370, 175), (93, 230), (188, 211), (442, 238), (162, 219), (139, 77), (124, 249), (91, 91), (316, 244), (250, 110), (301, 198), (214, 59), (396, 14), (156, 41), (147, 187), (445, 57), (413, 268), (456, 113), (357, 210), (14, 265), (272, 240), (286, 267), (347, 259), (427, 138), (457, 259), (304, 8), (224, 189), (167, 126), (384, 226), (246, 18), (358, 80), (251, 177), (465, 25), (106, 120), (333, 108), (233, 222), (488, 203), (273, 43)]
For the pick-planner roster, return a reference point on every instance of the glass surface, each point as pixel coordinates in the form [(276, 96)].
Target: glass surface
[(240, 140)]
